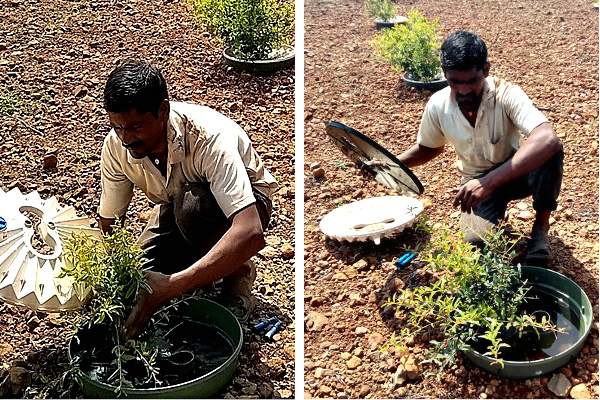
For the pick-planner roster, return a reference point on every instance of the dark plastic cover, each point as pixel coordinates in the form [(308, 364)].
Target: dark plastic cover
[(360, 148)]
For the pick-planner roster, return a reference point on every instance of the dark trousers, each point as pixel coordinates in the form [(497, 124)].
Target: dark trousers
[(183, 231), (543, 184)]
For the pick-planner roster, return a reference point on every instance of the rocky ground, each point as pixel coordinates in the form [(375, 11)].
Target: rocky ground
[(54, 58), (550, 49)]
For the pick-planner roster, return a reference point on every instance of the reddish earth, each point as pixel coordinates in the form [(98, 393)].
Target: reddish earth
[(55, 56), (550, 49)]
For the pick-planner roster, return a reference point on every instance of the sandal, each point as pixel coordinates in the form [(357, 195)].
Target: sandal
[(538, 252), (236, 293)]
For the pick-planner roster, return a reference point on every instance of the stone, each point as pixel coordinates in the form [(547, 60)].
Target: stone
[(364, 391), (412, 369), (50, 161), (5, 349), (354, 362), (374, 340), (361, 265), (351, 272), (580, 392), (559, 385), (361, 331), (287, 250), (346, 356), (340, 276), (318, 173), (316, 302), (315, 321), (395, 284)]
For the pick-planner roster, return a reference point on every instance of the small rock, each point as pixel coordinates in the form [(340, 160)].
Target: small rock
[(351, 272), (346, 356), (50, 161), (426, 203), (287, 250), (315, 321), (580, 392), (361, 264), (374, 340), (318, 173), (316, 302), (566, 372), (5, 349), (361, 331), (364, 391), (354, 362), (559, 385), (412, 369), (340, 276)]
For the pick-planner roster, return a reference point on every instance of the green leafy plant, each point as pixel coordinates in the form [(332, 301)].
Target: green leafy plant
[(10, 102), (340, 165), (412, 48), (111, 268), (252, 29), (380, 9), (476, 296)]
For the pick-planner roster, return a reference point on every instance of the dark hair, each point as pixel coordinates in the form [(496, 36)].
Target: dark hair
[(463, 50), (135, 85)]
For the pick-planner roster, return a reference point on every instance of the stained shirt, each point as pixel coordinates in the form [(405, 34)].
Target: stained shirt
[(504, 115), (203, 146)]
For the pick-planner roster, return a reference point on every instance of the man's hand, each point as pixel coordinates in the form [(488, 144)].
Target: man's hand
[(369, 169), (472, 193), (147, 303)]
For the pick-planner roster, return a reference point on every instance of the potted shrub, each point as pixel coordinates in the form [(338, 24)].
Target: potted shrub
[(474, 297), (384, 13), (256, 33), (414, 49)]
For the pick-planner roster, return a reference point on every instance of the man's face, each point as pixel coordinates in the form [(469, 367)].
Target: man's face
[(467, 86), (141, 134)]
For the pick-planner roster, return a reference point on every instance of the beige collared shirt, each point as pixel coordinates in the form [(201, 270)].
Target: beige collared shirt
[(504, 111), (203, 146)]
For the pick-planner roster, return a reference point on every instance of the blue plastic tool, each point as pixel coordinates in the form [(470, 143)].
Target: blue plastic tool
[(405, 259), (272, 331), (401, 260), (262, 325), (2, 224)]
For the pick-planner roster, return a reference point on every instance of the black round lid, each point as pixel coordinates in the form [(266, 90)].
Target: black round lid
[(359, 148)]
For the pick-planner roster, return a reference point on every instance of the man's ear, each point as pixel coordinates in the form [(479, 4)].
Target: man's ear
[(163, 110), (486, 69)]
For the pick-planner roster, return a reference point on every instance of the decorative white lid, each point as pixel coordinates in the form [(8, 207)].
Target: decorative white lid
[(371, 218), (27, 277)]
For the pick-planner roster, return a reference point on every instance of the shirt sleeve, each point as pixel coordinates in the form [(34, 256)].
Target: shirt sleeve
[(430, 131), (117, 189), (219, 160), (521, 111)]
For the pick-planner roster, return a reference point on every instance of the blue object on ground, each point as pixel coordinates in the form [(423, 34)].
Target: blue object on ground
[(272, 331), (2, 224), (262, 325), (400, 261)]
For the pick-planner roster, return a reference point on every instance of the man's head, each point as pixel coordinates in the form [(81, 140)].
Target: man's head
[(464, 61), (137, 102)]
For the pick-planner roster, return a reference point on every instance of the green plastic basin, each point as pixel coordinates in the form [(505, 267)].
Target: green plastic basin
[(200, 310), (567, 292)]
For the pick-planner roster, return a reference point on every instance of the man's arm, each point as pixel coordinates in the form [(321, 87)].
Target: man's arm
[(542, 144), (241, 241), (419, 155)]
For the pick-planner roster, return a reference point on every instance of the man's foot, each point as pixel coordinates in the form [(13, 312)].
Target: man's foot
[(538, 249), (236, 293)]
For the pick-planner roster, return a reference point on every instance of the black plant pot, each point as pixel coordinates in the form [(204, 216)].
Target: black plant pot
[(433, 86), (260, 66), (381, 24)]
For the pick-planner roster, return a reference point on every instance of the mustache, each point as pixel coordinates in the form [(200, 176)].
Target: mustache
[(132, 144), (470, 96)]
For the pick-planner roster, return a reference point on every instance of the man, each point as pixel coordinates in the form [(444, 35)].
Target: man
[(212, 192), (481, 117)]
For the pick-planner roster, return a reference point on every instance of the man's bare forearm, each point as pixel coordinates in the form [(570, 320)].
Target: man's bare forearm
[(541, 145), (419, 155)]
